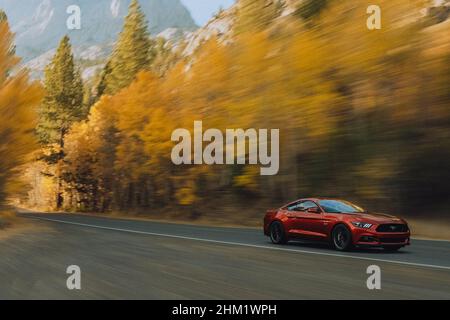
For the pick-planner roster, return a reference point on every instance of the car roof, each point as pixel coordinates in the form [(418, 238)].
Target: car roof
[(311, 199), (317, 199)]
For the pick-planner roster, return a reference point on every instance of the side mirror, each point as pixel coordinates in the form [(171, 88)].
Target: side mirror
[(313, 210)]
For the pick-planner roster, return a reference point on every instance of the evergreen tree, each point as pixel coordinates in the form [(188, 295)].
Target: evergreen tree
[(63, 102), (131, 54), (162, 56), (104, 75), (3, 16), (62, 105)]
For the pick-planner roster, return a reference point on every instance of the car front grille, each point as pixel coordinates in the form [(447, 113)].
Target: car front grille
[(392, 228)]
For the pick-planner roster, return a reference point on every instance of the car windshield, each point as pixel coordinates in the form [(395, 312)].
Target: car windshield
[(339, 206)]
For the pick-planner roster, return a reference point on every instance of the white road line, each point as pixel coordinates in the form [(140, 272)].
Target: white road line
[(245, 244), (428, 239)]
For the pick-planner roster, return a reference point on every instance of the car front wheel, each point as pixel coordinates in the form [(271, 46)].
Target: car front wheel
[(342, 238), (277, 234)]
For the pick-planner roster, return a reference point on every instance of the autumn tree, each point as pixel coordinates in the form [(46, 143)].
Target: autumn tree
[(90, 157), (62, 106), (131, 53), (4, 19), (347, 103), (18, 100)]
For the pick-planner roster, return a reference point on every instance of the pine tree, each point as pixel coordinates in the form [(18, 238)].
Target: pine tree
[(104, 75), (3, 17), (62, 105), (132, 51), (256, 15), (162, 56)]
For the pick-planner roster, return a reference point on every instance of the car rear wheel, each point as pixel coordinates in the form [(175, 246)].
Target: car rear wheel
[(392, 248), (277, 234), (342, 238)]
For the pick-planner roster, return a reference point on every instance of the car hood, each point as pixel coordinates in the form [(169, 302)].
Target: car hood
[(377, 218), (374, 218)]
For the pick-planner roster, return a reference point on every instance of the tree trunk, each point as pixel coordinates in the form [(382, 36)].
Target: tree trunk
[(59, 196)]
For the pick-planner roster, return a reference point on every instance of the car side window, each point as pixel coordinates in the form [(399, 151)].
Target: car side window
[(305, 205), (302, 206), (294, 207)]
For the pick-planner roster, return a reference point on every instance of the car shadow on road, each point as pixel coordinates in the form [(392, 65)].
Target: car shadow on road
[(327, 247)]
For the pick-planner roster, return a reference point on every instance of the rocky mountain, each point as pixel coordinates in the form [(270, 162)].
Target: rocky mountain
[(433, 12), (219, 26), (40, 24)]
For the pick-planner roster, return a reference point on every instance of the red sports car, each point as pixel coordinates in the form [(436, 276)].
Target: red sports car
[(341, 223)]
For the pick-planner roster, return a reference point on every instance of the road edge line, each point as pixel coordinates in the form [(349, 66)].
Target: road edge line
[(242, 244)]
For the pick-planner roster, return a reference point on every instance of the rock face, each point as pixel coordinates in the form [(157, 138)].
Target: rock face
[(220, 26), (40, 24)]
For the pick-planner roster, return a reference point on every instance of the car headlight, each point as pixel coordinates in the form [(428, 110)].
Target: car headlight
[(362, 225)]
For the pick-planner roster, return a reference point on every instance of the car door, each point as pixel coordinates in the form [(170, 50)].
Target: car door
[(294, 215), (305, 224), (310, 221)]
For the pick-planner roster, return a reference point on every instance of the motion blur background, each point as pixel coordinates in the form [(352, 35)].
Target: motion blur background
[(363, 114)]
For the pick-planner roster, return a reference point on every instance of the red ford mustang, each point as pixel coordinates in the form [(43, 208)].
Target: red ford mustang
[(338, 222)]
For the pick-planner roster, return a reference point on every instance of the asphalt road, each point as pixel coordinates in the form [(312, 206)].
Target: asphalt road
[(129, 259)]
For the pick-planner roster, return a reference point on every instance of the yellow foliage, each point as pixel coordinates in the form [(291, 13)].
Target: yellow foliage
[(18, 100), (343, 97)]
